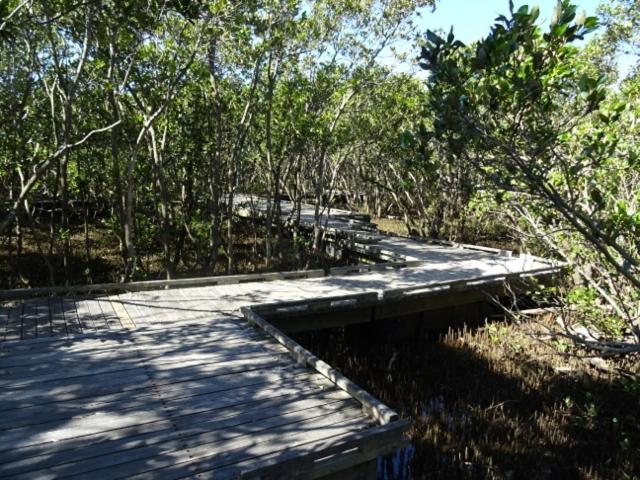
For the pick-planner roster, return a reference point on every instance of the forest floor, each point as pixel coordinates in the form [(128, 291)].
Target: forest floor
[(495, 402), (102, 262)]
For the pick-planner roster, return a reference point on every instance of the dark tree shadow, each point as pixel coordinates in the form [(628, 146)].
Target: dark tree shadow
[(475, 416)]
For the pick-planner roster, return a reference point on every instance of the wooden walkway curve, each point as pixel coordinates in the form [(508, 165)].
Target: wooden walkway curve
[(192, 381)]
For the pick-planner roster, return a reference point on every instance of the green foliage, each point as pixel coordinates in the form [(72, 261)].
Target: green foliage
[(157, 112), (555, 142)]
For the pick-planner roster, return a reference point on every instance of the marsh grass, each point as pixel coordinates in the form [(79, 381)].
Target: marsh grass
[(494, 402)]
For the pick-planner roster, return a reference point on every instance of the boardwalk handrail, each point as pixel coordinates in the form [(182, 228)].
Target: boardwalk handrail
[(349, 216), (468, 246), (374, 408), (22, 293), (438, 287), (371, 405), (342, 302)]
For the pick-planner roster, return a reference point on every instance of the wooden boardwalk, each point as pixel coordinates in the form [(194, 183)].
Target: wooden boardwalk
[(198, 391), (193, 382)]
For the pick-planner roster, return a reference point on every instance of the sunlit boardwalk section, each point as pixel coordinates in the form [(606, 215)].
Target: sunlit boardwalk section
[(216, 398), (171, 379)]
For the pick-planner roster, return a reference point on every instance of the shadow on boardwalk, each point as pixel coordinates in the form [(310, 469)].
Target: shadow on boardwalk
[(165, 401)]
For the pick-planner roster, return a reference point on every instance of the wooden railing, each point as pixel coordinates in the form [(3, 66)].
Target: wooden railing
[(21, 293), (371, 405)]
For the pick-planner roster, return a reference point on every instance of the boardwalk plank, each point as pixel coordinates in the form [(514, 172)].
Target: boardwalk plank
[(79, 366), (163, 460), (121, 313), (214, 393), (85, 317), (56, 312), (136, 378), (161, 437), (96, 313), (159, 371), (322, 457), (28, 320), (4, 321), (109, 313), (232, 398), (14, 327), (120, 343), (218, 331), (74, 325), (209, 456), (43, 318), (229, 380)]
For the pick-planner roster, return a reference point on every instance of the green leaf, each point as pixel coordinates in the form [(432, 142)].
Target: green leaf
[(434, 38), (559, 29)]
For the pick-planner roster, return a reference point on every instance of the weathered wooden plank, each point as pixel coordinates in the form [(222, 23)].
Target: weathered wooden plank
[(88, 373), (151, 285), (195, 428), (58, 431), (96, 313), (304, 307), (28, 320), (17, 351), (167, 372), (214, 444), (71, 316), (54, 358), (109, 313), (235, 394), (62, 363), (122, 315), (4, 321), (51, 358), (26, 461), (85, 317), (158, 311), (321, 458), (210, 351), (217, 395), (108, 383), (63, 389), (130, 309), (182, 409), (220, 325), (43, 318), (218, 331), (229, 329), (209, 456), (109, 347), (14, 327), (56, 312), (73, 366)]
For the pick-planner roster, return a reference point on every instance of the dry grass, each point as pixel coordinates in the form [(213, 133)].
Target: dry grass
[(391, 225), (495, 403)]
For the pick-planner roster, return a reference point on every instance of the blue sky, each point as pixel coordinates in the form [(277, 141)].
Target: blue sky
[(472, 19)]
